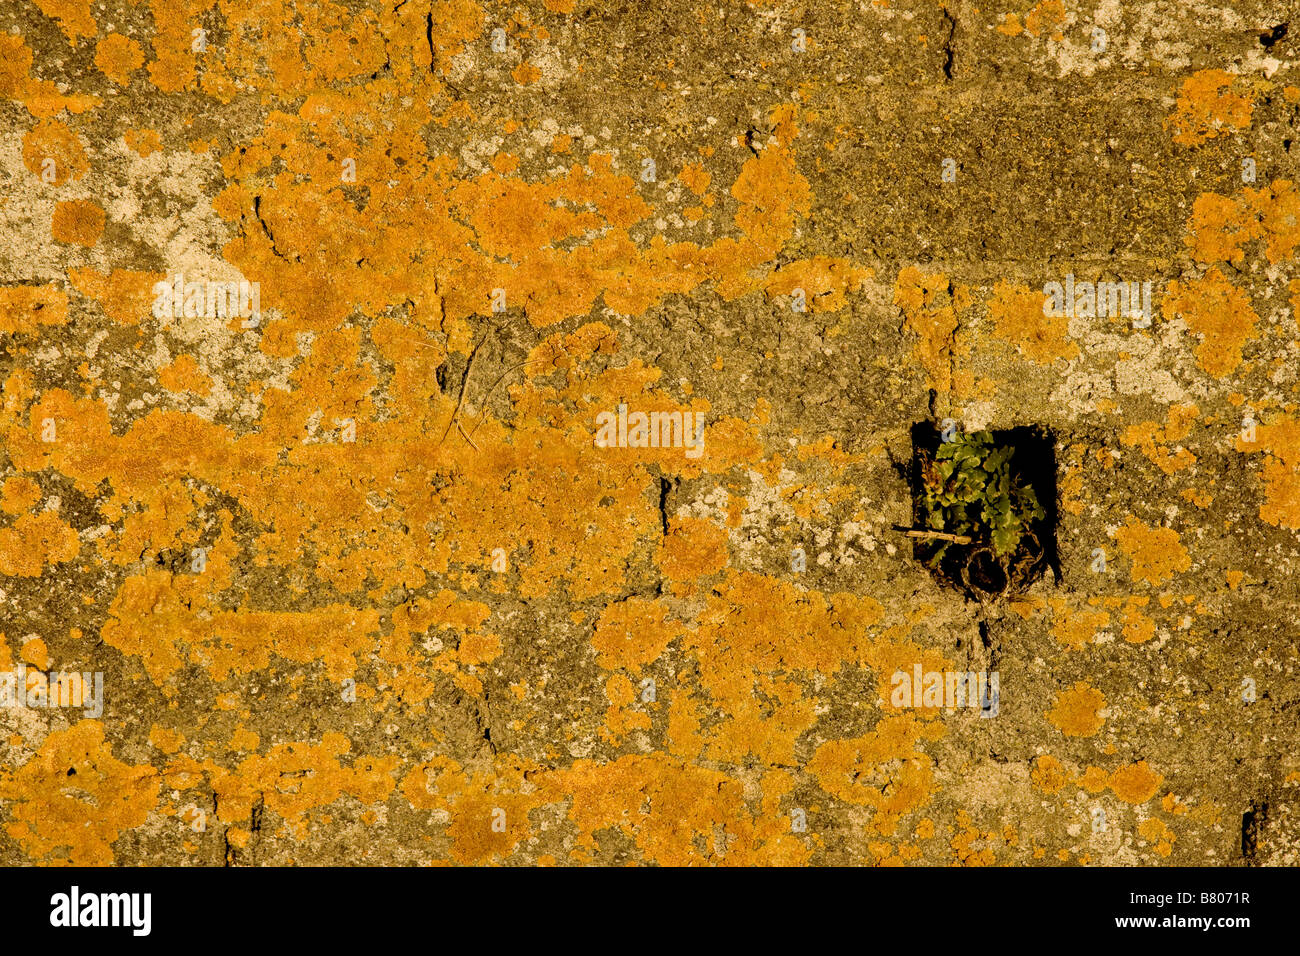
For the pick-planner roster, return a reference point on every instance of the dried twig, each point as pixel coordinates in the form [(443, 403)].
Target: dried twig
[(939, 536), (464, 383), (491, 388)]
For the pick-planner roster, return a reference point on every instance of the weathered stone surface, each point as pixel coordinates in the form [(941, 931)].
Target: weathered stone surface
[(362, 585)]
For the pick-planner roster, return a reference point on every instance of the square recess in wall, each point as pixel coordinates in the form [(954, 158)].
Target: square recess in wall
[(984, 507)]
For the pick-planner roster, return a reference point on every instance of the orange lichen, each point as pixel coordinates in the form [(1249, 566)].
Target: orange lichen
[(73, 17), (1217, 311), (1279, 442), (1010, 25), (54, 152), (1136, 783), (167, 740), (693, 548), (695, 178), (144, 141), (34, 542), (1220, 227), (1208, 107), (931, 315), (25, 308), (125, 295), (825, 281), (1075, 711), (1017, 313), (73, 798), (1138, 628), (78, 221), (526, 73), (117, 57), (183, 375), (1075, 630), (18, 494), (41, 97), (1049, 775), (1152, 436), (36, 652), (1154, 830), (1157, 553), (1048, 15)]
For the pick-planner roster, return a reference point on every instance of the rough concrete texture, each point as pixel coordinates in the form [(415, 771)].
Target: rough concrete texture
[(361, 581)]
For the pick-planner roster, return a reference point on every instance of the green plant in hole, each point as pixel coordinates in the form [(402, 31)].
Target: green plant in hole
[(970, 491)]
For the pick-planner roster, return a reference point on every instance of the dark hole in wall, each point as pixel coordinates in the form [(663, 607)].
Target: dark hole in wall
[(973, 568), (1251, 822), (1270, 37)]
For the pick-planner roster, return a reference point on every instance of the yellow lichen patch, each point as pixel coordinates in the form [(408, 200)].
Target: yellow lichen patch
[(931, 315), (78, 221), (1154, 830), (290, 780), (883, 770), (1071, 483), (1220, 227), (526, 73), (125, 294), (757, 640), (1157, 553), (489, 813), (1279, 441), (1152, 437), (73, 17), (1075, 711), (72, 799), (621, 719), (1217, 311), (143, 141), (41, 97), (1138, 628), (695, 178), (1075, 629), (1010, 25), (33, 542), (54, 153), (169, 620), (1017, 313), (1049, 775), (117, 57), (963, 841), (1136, 783), (1208, 107), (36, 652), (1094, 780), (693, 548), (173, 42), (551, 247), (1048, 16), (677, 815), (19, 494), (167, 740), (824, 281), (183, 375), (244, 740), (25, 308)]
